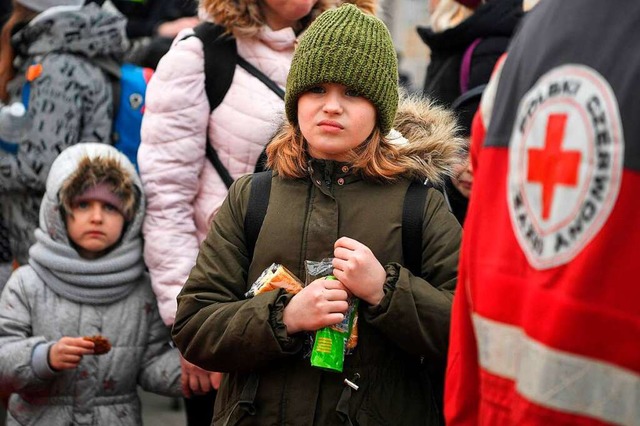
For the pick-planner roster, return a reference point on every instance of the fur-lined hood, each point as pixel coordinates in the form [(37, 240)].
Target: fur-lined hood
[(432, 140), (80, 167), (92, 171)]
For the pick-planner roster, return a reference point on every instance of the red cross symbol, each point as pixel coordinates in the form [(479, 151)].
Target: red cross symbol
[(551, 166)]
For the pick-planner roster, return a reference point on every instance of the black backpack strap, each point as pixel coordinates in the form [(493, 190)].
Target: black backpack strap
[(260, 76), (262, 159), (220, 59), (412, 221), (212, 155), (261, 164), (412, 212), (257, 208), (468, 96)]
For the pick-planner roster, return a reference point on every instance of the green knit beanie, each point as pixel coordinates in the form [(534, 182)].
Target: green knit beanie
[(346, 46)]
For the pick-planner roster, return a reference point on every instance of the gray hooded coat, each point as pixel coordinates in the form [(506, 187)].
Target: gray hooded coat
[(61, 294), (70, 101)]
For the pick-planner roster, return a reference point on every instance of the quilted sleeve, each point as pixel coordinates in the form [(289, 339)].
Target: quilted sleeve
[(17, 343)]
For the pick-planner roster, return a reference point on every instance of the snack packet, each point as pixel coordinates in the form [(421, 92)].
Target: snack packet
[(329, 344), (332, 343), (274, 277), (324, 268)]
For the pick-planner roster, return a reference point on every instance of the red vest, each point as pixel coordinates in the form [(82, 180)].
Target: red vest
[(546, 318)]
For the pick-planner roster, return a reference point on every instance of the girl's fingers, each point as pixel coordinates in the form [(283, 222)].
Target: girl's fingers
[(338, 264), (335, 294), (347, 243), (340, 306), (341, 254), (332, 319)]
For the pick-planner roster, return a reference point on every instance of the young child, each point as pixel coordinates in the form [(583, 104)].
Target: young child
[(85, 278), (337, 191)]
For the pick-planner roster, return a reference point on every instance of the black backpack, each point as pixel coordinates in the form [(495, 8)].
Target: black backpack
[(220, 60)]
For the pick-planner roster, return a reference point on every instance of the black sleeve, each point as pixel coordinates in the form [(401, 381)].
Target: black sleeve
[(142, 18)]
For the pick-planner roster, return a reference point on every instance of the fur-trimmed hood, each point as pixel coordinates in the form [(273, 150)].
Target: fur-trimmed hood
[(432, 140), (93, 171), (80, 167)]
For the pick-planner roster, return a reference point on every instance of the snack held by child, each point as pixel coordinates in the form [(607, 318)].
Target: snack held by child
[(338, 186), (85, 293)]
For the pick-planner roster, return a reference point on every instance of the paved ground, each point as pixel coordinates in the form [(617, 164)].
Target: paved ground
[(162, 411), (156, 411)]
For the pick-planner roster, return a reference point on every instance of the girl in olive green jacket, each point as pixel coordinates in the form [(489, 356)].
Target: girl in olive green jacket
[(339, 182)]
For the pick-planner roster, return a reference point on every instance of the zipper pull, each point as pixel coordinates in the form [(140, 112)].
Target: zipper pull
[(352, 383)]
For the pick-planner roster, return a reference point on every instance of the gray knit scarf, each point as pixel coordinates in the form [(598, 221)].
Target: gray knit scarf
[(94, 282)]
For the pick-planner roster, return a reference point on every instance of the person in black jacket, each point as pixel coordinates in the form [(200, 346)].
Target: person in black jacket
[(466, 39), (454, 28)]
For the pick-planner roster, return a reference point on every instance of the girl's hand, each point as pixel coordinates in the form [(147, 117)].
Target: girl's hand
[(320, 304), (358, 269), (67, 352)]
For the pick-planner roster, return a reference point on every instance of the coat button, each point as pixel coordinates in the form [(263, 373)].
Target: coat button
[(345, 169), (318, 182), (340, 181)]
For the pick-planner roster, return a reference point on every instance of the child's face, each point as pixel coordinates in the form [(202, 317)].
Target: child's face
[(94, 226), (281, 14), (334, 120)]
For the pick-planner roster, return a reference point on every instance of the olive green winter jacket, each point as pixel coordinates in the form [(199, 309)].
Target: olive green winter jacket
[(219, 329)]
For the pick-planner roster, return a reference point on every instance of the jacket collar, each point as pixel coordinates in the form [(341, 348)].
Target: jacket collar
[(327, 173)]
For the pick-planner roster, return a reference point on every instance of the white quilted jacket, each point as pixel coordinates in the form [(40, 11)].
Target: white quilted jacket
[(183, 190)]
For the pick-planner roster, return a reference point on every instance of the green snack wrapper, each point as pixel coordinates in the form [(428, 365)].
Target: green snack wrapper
[(328, 349), (329, 343)]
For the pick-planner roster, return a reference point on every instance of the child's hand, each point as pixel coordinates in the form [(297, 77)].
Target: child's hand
[(197, 381), (67, 352), (320, 304), (358, 269)]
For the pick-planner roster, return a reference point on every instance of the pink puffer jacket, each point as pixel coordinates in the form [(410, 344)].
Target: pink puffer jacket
[(183, 190)]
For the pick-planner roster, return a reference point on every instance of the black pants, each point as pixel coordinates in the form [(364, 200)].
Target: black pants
[(199, 409)]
